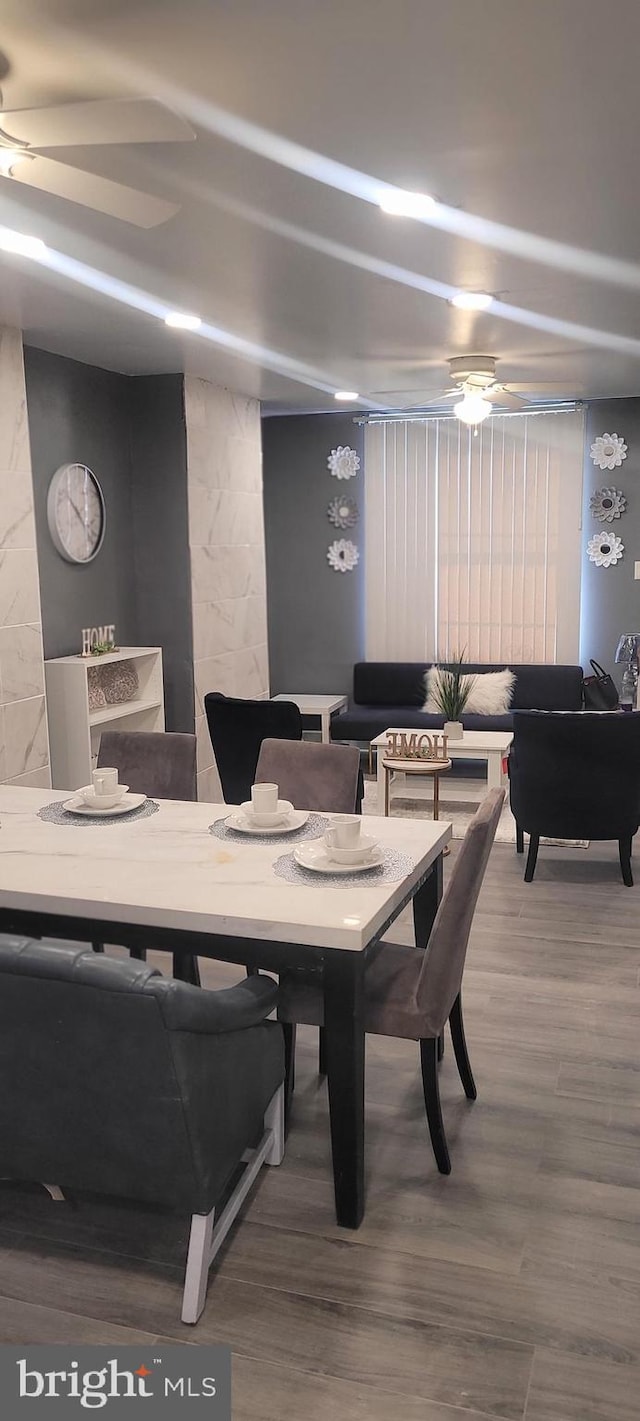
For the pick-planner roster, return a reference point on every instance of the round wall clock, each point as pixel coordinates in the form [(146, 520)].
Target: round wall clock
[(76, 513)]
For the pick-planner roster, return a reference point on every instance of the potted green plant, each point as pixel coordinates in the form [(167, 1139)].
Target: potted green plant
[(451, 693)]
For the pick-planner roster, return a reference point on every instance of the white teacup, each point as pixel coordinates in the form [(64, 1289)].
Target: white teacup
[(344, 832), (264, 799), (105, 781), (100, 795)]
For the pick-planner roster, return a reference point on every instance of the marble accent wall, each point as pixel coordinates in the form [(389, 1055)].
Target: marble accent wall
[(24, 745), (226, 540)]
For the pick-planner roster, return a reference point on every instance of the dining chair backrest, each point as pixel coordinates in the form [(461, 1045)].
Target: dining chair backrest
[(237, 729), (310, 775), (441, 975), (158, 763)]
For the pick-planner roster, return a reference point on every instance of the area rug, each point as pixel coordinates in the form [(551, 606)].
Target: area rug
[(459, 811)]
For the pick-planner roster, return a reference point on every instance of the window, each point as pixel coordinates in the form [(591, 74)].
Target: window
[(473, 541)]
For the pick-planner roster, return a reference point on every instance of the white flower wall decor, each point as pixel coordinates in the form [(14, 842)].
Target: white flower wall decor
[(343, 462), (606, 504), (343, 555), (608, 451), (343, 512), (605, 549)]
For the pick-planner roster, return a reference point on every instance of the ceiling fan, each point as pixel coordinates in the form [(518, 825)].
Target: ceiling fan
[(475, 390), (25, 132)]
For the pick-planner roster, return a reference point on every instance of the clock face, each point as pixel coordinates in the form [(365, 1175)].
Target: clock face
[(76, 512)]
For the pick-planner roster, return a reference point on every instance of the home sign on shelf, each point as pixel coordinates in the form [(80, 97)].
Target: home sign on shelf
[(416, 747), (97, 641)]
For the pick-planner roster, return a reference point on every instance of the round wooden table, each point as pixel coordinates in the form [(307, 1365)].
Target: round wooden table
[(435, 768)]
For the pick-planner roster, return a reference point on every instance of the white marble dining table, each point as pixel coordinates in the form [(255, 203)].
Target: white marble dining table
[(167, 882)]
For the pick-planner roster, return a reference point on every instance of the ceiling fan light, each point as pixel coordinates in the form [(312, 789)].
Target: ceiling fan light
[(472, 409), (22, 244), (472, 300), (9, 157), (399, 203), (181, 321), (348, 396)]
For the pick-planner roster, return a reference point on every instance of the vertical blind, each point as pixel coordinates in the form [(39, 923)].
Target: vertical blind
[(473, 541)]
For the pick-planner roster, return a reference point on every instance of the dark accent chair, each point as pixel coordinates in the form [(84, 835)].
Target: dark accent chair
[(117, 1080), (412, 994), (312, 776), (575, 776), (161, 764), (237, 729)]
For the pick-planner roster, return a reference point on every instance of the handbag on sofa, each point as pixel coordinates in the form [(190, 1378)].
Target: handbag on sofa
[(599, 691)]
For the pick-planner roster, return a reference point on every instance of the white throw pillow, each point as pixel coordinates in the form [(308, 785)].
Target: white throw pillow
[(432, 681), (491, 692)]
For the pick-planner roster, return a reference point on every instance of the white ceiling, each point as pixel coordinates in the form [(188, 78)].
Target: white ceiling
[(527, 115)]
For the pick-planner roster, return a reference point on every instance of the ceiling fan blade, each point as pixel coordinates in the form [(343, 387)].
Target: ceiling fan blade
[(401, 394), (532, 387), (96, 121), (501, 396), (427, 404), (101, 194)]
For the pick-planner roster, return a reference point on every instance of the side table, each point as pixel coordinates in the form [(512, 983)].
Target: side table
[(322, 707)]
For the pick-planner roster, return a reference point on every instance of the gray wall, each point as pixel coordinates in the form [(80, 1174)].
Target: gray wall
[(316, 615), (79, 413), (611, 596), (131, 432), (161, 535)]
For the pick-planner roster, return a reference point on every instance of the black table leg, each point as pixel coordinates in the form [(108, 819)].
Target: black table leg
[(344, 1047), (426, 903)]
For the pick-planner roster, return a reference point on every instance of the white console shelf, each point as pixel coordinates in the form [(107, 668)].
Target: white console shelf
[(74, 730)]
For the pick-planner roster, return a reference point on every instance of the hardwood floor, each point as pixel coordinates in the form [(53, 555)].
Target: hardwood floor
[(510, 1289)]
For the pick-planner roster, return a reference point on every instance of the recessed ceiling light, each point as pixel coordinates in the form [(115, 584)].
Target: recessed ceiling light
[(347, 395), (180, 321), (8, 159), (399, 203), (21, 243), (472, 300)]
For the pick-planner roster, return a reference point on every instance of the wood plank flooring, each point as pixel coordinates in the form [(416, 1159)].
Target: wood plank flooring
[(510, 1289)]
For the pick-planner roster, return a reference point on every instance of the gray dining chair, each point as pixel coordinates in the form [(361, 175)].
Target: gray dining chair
[(312, 776), (411, 993), (161, 764)]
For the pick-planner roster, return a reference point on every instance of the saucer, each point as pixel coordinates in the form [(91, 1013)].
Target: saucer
[(125, 806), (267, 821), (104, 801), (240, 823), (352, 856), (313, 855)]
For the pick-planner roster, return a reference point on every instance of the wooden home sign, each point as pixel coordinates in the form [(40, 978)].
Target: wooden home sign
[(97, 640), (416, 745)]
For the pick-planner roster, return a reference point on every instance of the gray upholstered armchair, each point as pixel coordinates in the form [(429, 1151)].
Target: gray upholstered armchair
[(118, 1080)]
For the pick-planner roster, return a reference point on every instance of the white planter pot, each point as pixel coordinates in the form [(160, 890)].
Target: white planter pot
[(453, 729)]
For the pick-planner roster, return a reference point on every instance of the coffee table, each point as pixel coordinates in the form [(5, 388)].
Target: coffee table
[(323, 707), (489, 745)]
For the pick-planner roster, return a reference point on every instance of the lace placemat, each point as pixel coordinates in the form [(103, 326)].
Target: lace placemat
[(56, 814), (394, 867), (314, 828)]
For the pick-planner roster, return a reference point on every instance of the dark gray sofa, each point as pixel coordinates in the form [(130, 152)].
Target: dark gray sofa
[(391, 693)]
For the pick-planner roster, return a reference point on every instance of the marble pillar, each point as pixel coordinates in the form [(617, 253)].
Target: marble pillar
[(226, 541), (24, 745)]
